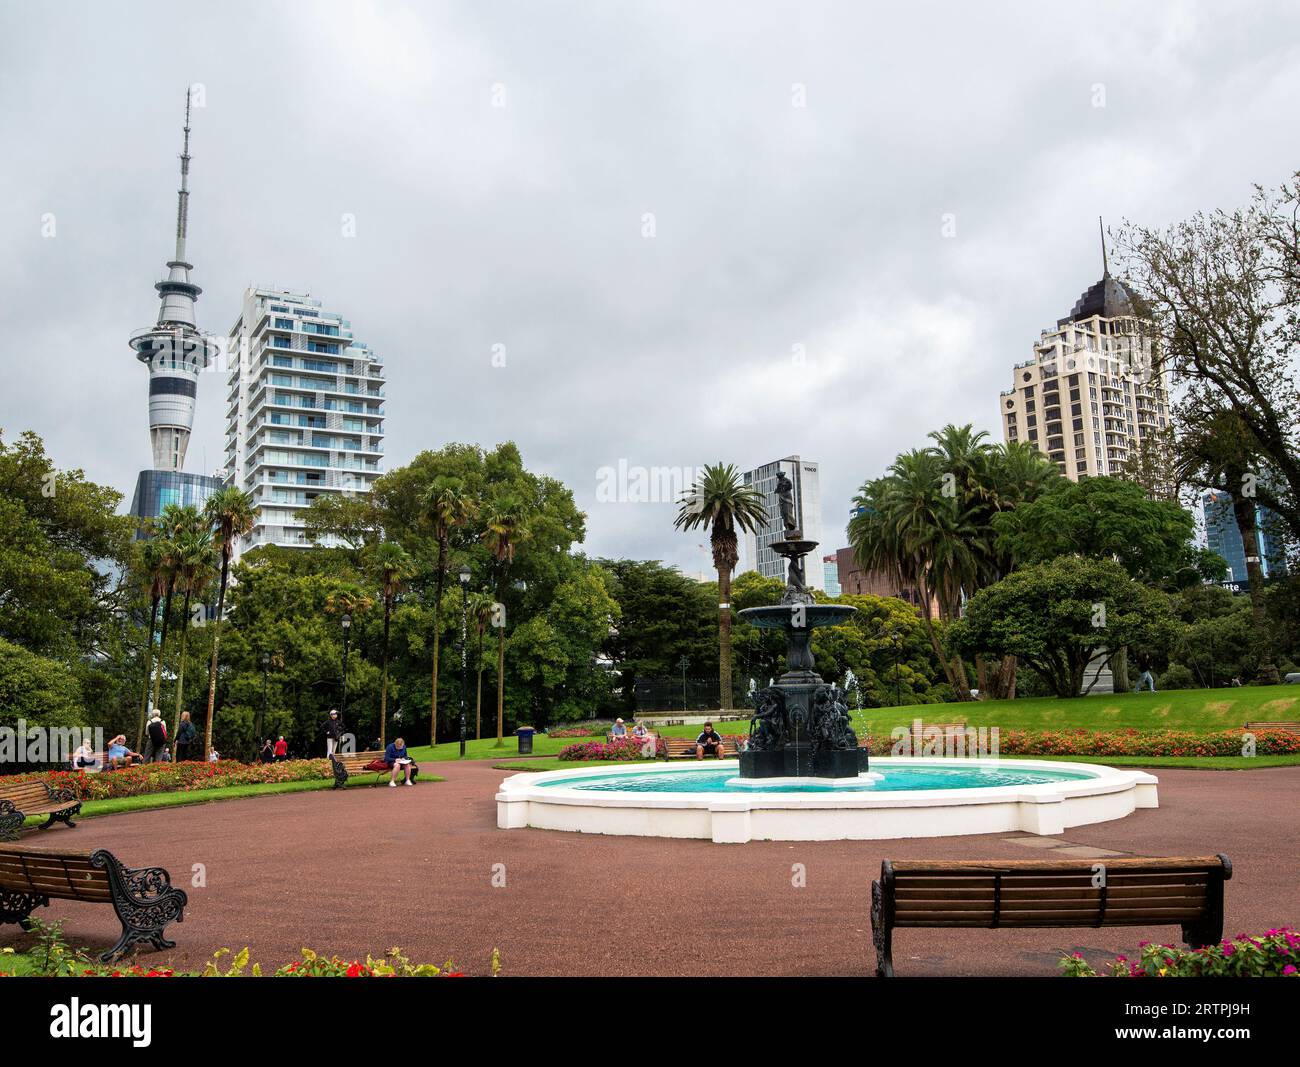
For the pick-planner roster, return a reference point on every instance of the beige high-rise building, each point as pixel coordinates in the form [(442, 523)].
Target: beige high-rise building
[(1089, 398)]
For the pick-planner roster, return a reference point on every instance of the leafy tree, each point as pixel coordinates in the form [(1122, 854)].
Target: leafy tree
[(229, 511), (1108, 518), (663, 615), (1057, 616), (191, 549), (391, 567), (505, 527), (37, 689), (449, 507), (150, 567), (720, 500), (1217, 449), (1223, 293), (60, 546)]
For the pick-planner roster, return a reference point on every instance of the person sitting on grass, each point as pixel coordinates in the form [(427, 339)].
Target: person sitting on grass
[(396, 757), (708, 743)]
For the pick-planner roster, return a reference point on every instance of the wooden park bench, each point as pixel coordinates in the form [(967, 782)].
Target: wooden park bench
[(1287, 727), (1049, 893), (346, 764), (684, 748), (22, 799), (144, 899)]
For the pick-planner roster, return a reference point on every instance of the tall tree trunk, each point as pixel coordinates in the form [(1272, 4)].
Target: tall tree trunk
[(1119, 669), (148, 672), (180, 670), (478, 703), (1243, 509), (501, 661), (724, 636), (162, 644), (437, 640), (383, 687), (216, 640)]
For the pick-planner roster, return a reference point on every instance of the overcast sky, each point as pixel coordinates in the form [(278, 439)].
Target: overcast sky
[(799, 162)]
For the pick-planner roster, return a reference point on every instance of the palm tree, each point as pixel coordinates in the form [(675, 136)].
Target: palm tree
[(169, 523), (195, 563), (447, 506), (151, 566), (908, 526), (230, 513), (504, 528), (720, 500), (1217, 451), (481, 609), (392, 569)]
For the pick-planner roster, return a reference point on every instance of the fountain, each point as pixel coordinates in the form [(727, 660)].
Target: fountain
[(803, 777), (801, 726)]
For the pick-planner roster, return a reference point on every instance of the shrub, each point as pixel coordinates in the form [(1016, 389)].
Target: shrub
[(1130, 742), (1274, 955), (54, 958), (622, 750), (575, 731), (183, 777), (1178, 677)]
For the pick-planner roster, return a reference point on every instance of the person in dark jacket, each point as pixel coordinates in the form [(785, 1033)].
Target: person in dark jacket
[(185, 734), (398, 760), (333, 732), (267, 755)]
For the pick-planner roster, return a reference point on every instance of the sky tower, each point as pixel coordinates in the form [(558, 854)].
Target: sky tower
[(175, 353), (173, 349)]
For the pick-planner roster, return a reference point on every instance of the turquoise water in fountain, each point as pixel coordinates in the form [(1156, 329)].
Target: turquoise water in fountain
[(938, 775)]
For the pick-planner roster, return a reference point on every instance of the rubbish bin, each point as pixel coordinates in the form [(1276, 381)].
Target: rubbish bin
[(525, 735)]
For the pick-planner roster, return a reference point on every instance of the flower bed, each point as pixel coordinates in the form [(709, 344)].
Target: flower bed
[(1082, 742), (576, 731), (1275, 955), (177, 777), (622, 750), (53, 957)]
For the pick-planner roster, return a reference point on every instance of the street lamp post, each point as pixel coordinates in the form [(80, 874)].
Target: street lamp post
[(897, 643), (464, 575), (683, 663), (343, 704)]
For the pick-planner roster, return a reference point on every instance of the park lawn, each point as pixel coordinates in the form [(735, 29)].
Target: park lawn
[(1205, 710), (118, 805), (487, 748)]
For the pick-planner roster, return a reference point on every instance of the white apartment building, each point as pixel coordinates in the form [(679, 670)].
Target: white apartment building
[(305, 411), (1089, 396), (756, 553)]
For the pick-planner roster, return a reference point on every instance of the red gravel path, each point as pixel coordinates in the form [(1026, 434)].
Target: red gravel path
[(366, 869)]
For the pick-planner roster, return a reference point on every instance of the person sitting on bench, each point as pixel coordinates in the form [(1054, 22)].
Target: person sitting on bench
[(397, 759), (708, 743), (619, 730), (119, 755)]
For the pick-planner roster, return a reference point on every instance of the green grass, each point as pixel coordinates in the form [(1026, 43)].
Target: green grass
[(118, 805), (487, 748), (1204, 710)]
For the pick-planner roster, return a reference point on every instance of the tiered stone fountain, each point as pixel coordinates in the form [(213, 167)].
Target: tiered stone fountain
[(801, 726)]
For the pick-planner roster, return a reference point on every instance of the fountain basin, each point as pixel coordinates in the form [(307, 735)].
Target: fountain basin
[(780, 616), (958, 797)]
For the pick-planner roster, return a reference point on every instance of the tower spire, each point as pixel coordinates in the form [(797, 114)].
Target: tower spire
[(183, 196), (1105, 266)]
